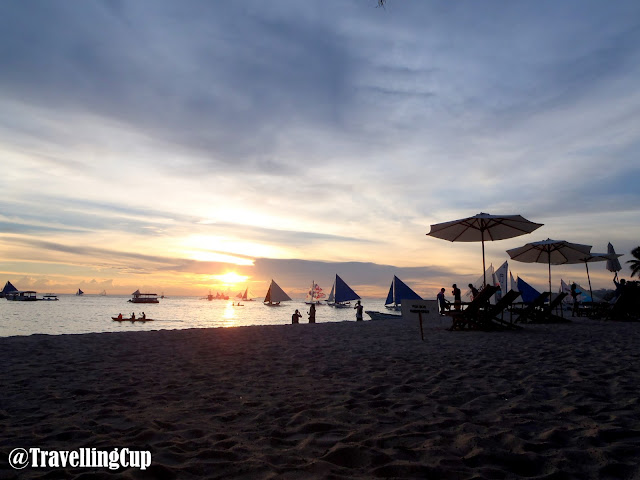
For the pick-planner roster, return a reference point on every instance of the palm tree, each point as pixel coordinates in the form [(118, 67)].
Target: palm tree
[(635, 264)]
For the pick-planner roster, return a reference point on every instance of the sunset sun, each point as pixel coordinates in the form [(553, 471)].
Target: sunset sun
[(231, 278)]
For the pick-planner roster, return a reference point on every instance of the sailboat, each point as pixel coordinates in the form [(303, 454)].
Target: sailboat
[(275, 295), (245, 296), (79, 292), (8, 288), (397, 292), (103, 293), (341, 294), (314, 294)]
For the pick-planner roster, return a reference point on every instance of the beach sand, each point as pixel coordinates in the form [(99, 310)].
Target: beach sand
[(334, 400)]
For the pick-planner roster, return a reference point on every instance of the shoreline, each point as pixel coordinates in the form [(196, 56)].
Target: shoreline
[(332, 400)]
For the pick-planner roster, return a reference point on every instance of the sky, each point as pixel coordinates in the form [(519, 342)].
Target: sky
[(184, 146)]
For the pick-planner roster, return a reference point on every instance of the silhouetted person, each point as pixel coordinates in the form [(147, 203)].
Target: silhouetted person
[(312, 313), (295, 317), (358, 309), (457, 300), (474, 291), (443, 303), (574, 294)]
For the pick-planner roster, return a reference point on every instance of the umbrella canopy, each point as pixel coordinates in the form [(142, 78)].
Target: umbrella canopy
[(551, 252), (613, 265), (483, 227), (597, 257)]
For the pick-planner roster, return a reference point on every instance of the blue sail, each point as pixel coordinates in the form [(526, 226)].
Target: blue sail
[(529, 294), (343, 292), (389, 295), (399, 291), (8, 288)]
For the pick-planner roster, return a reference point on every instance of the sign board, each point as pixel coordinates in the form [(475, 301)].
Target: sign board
[(410, 308)]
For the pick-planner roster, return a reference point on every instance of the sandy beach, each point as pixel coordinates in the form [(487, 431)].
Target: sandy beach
[(335, 400)]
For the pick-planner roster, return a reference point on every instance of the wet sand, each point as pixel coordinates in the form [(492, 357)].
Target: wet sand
[(334, 400)]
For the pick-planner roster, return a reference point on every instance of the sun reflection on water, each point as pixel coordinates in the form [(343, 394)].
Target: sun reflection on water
[(229, 314)]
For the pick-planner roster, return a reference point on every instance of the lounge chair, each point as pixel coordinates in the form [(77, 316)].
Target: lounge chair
[(473, 317), (530, 310), (495, 313), (545, 313)]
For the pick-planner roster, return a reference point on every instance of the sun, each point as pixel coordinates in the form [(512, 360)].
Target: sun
[(231, 278)]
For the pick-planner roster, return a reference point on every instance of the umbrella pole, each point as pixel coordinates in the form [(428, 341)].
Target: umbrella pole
[(589, 278), (550, 292), (484, 270)]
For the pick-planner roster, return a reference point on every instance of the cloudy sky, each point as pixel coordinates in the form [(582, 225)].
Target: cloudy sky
[(157, 144)]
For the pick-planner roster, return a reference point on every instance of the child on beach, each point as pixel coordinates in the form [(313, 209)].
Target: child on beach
[(295, 317)]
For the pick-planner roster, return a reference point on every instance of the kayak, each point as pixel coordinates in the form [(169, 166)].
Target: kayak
[(132, 319)]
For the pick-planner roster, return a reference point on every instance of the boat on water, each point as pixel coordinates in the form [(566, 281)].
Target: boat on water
[(399, 291), (244, 296), (21, 296), (341, 294), (50, 297), (137, 297), (103, 293), (135, 319), (79, 292), (314, 294), (8, 288), (217, 296), (382, 315), (275, 295)]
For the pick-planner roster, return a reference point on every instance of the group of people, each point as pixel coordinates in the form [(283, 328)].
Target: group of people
[(444, 304), (143, 316), (295, 318)]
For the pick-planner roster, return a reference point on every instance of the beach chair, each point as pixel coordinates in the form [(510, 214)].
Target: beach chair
[(495, 313), (473, 317), (545, 313), (627, 305), (530, 310)]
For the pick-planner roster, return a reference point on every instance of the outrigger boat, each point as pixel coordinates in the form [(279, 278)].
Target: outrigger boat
[(399, 291), (275, 295), (341, 294), (135, 319)]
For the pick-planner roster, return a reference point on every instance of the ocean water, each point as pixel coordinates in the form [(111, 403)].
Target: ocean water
[(73, 314)]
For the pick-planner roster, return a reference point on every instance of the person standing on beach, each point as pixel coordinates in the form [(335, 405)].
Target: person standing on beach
[(295, 317), (358, 309), (574, 294), (457, 300), (442, 302), (312, 313)]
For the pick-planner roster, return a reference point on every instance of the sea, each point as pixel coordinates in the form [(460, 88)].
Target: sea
[(73, 314)]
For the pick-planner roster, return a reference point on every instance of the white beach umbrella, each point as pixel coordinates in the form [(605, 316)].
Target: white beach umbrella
[(483, 227), (613, 265), (551, 252)]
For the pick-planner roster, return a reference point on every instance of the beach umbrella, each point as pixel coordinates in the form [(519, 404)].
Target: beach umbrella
[(597, 257), (613, 265), (483, 227), (551, 252)]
